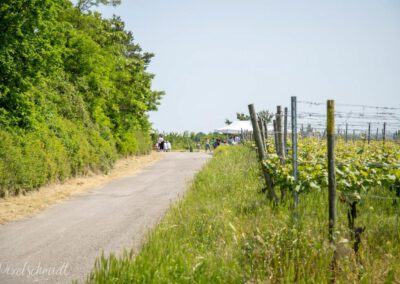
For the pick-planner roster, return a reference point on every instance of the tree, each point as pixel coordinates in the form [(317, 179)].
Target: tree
[(85, 5), (228, 122), (242, 116), (31, 41), (72, 84), (265, 115)]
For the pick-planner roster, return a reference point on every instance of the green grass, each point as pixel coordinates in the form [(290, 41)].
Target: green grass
[(226, 231)]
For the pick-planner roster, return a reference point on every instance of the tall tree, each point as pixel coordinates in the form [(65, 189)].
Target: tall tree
[(228, 122), (242, 116), (265, 115), (85, 5)]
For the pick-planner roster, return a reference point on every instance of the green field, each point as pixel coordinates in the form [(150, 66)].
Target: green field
[(225, 230)]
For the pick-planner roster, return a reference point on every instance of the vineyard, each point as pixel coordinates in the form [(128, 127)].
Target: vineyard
[(360, 168), (354, 172)]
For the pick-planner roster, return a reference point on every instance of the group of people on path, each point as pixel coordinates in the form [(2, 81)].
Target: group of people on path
[(232, 140), (163, 145)]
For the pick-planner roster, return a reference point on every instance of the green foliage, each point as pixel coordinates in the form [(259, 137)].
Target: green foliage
[(360, 167), (85, 5), (242, 116), (264, 114), (228, 122), (74, 92)]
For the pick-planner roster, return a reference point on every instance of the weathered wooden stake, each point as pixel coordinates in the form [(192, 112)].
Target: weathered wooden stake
[(347, 128), (275, 138), (369, 132), (260, 123), (262, 154), (331, 168), (281, 152), (285, 126), (279, 131), (265, 125), (384, 132), (331, 180), (377, 134), (294, 146)]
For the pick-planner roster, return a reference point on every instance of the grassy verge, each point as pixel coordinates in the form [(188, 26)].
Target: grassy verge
[(225, 231)]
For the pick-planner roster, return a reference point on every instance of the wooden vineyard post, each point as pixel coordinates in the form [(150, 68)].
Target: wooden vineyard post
[(347, 128), (369, 132), (285, 125), (377, 133), (294, 146), (266, 134), (281, 149), (276, 138), (261, 154), (331, 167), (279, 131), (384, 132), (260, 126), (331, 179)]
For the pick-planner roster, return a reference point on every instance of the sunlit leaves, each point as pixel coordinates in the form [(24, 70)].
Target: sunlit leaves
[(358, 168)]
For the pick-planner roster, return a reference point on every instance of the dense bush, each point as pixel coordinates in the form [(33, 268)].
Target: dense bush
[(74, 93)]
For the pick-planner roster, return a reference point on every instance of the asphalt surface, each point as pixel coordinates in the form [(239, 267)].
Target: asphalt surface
[(61, 243)]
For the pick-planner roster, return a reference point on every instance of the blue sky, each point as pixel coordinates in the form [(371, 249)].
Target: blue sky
[(213, 58)]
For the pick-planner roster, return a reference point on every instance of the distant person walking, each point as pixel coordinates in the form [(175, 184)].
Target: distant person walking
[(208, 146), (217, 143), (167, 146), (237, 140), (161, 144)]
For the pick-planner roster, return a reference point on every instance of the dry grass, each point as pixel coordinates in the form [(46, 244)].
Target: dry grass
[(18, 207)]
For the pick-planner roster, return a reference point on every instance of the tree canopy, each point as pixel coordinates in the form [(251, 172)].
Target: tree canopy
[(70, 74)]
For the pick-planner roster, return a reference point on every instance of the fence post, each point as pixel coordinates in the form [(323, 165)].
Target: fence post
[(260, 126), (331, 179), (331, 167), (261, 154), (347, 128), (281, 148), (384, 132), (265, 125), (281, 152), (275, 138), (294, 146), (377, 133), (285, 126), (369, 132)]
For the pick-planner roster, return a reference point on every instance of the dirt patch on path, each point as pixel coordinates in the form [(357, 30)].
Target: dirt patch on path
[(18, 207)]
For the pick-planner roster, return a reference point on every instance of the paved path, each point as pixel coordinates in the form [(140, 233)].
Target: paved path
[(65, 239)]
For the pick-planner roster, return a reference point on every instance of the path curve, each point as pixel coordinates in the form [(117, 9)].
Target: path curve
[(65, 239)]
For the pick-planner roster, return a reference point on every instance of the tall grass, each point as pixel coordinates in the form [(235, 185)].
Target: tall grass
[(226, 231)]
